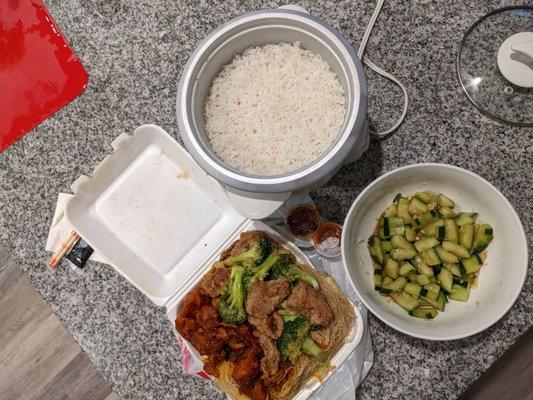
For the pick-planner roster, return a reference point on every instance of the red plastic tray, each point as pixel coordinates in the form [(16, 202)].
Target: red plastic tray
[(39, 72)]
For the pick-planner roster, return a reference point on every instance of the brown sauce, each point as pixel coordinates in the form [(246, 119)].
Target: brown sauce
[(302, 220)]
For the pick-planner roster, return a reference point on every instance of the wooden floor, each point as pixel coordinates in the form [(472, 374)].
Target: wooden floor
[(510, 377), (39, 360)]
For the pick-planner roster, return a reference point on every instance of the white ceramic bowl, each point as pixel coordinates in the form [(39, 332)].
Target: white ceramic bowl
[(500, 279)]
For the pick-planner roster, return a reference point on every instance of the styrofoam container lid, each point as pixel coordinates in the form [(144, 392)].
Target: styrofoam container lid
[(152, 212)]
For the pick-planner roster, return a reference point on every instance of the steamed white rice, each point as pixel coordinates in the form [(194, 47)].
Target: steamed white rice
[(274, 109)]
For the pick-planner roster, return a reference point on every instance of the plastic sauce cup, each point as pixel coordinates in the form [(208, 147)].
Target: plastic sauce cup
[(327, 239), (302, 220)]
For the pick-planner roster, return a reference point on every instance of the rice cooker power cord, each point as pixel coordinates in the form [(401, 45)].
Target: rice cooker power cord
[(381, 72)]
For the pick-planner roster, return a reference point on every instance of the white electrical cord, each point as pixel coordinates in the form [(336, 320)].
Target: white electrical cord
[(382, 72)]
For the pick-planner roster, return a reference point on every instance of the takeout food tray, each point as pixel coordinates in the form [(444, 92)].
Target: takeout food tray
[(352, 340), (161, 222)]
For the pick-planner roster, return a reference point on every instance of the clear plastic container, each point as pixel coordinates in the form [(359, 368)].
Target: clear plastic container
[(302, 220), (327, 239)]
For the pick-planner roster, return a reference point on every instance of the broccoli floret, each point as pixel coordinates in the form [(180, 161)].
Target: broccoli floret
[(231, 305), (310, 348), (255, 255), (259, 273), (287, 314), (294, 273), (292, 338)]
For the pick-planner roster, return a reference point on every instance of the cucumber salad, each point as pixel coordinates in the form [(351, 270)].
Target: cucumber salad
[(425, 253)]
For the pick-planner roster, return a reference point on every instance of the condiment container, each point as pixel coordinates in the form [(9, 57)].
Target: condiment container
[(302, 220), (161, 222), (327, 239)]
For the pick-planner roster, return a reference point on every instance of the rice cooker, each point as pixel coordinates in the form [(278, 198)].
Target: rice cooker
[(258, 196)]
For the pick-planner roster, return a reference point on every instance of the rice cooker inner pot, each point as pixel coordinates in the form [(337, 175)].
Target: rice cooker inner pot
[(257, 29)]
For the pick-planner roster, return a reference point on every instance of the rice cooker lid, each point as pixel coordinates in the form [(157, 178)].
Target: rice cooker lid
[(495, 65), (326, 165)]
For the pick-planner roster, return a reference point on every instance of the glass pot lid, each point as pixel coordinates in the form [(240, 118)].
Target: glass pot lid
[(495, 65)]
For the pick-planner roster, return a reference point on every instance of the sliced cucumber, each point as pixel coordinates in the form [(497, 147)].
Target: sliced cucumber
[(378, 279), (387, 280), (457, 249), (425, 197), (403, 210), (425, 243), (433, 291), (397, 285), (430, 257), (441, 233), (402, 254), (425, 219), (439, 302), (374, 247), (415, 289), (391, 211), (405, 300), (422, 267), (424, 312), (462, 269), (466, 218), (453, 268), (466, 235), (392, 226), (450, 230), (391, 268), (386, 246), (446, 256), (447, 212), (423, 279), (445, 201), (431, 229), (459, 292), (400, 242), (417, 207), (397, 198), (407, 269), (471, 265), (410, 234), (425, 252), (446, 279), (482, 238)]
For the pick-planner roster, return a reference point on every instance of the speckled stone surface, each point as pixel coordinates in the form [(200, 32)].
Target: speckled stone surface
[(134, 52)]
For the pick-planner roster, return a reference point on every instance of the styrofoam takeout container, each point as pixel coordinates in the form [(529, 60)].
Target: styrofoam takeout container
[(161, 222)]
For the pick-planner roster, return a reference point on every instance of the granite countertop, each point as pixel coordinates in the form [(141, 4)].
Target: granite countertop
[(134, 52)]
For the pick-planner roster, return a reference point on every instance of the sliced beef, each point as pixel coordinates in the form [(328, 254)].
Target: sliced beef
[(269, 325), (319, 338), (270, 362), (213, 282), (243, 244), (307, 301), (262, 301), (264, 297)]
